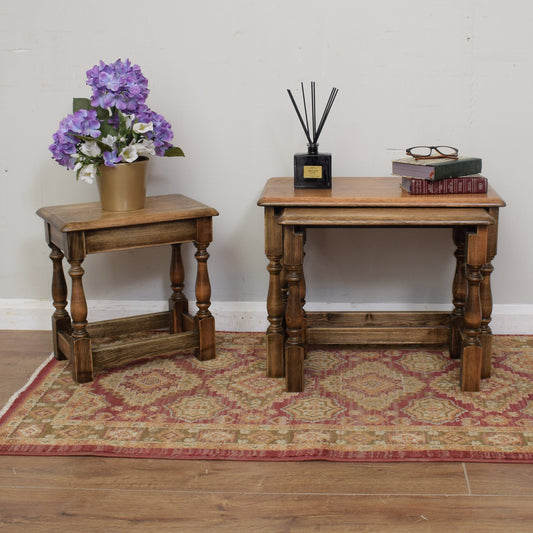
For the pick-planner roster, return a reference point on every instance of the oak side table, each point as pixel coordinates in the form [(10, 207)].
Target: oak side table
[(77, 230), (377, 202)]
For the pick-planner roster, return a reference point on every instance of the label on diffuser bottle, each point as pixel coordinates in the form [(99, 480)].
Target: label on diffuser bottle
[(312, 172)]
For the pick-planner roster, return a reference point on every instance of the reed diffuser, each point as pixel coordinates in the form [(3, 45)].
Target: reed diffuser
[(312, 170)]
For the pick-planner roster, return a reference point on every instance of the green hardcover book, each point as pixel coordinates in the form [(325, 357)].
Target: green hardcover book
[(436, 169)]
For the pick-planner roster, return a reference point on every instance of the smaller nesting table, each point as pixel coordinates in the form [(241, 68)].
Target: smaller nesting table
[(77, 230)]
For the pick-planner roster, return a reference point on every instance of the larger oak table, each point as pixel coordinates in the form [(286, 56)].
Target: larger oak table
[(81, 229), (377, 202)]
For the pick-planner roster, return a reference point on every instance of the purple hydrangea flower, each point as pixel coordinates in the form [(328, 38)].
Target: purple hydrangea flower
[(162, 134), (111, 158), (119, 85), (128, 130), (82, 122)]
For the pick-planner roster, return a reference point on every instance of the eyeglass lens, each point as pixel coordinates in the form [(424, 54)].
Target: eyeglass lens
[(425, 151)]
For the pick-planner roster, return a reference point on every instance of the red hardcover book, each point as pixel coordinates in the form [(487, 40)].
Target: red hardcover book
[(475, 184)]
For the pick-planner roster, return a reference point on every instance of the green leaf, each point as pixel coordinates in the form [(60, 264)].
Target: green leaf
[(174, 152), (102, 114), (107, 129), (103, 146), (85, 103), (122, 128), (87, 138), (80, 103)]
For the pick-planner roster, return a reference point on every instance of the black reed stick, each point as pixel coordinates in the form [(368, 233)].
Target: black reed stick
[(327, 109), (305, 125), (313, 109), (299, 116), (305, 106)]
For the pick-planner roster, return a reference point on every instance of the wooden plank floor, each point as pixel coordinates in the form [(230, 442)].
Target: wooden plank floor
[(88, 494)]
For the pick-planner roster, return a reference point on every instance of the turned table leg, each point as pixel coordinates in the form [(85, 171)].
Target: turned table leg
[(204, 319), (476, 254), (294, 316), (486, 297), (302, 295), (82, 361), (60, 318), (275, 334), (178, 303), (459, 293)]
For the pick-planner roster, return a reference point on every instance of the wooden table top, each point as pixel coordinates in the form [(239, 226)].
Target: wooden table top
[(367, 192), (90, 216)]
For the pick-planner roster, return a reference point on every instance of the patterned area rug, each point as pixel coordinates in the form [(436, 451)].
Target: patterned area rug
[(359, 404)]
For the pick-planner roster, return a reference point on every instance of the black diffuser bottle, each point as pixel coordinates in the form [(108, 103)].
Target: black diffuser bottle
[(312, 170)]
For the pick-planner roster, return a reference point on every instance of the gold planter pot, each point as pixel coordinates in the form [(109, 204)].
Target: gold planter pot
[(123, 187)]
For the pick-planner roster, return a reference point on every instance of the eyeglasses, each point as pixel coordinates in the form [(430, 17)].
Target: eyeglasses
[(426, 152)]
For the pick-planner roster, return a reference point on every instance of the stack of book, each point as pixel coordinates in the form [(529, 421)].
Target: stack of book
[(441, 176)]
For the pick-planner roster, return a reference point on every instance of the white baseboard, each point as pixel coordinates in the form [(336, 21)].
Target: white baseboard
[(36, 314), (237, 316)]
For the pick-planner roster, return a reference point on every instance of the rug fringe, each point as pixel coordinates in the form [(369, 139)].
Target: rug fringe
[(28, 384)]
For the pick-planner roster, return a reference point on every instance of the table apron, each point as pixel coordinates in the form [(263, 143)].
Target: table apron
[(106, 240)]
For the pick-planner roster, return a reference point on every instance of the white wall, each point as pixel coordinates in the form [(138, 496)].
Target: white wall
[(456, 72)]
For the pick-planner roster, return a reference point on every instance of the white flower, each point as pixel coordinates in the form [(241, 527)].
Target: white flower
[(129, 153), (129, 120), (111, 141), (145, 147), (90, 148), (87, 173), (143, 127)]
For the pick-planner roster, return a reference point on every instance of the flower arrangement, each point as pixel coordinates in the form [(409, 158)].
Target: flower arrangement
[(114, 126)]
